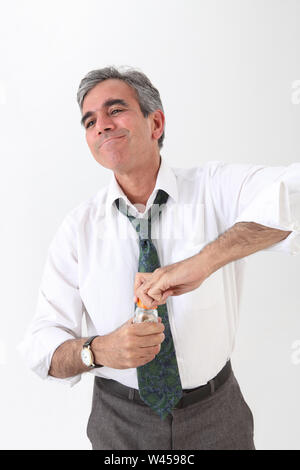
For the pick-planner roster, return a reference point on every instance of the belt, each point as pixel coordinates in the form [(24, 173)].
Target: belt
[(189, 396)]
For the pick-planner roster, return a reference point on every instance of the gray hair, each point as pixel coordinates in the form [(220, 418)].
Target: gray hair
[(147, 95)]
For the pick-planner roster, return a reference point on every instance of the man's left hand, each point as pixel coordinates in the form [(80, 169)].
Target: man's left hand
[(153, 289)]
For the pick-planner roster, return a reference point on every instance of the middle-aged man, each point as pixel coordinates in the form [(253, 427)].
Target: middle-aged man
[(175, 239)]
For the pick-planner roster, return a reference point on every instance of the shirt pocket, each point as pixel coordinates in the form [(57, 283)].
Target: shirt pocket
[(209, 294)]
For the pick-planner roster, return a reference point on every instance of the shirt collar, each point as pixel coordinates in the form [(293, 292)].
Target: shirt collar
[(165, 180)]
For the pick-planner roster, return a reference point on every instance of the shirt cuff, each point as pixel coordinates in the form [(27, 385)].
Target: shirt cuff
[(33, 344), (275, 208)]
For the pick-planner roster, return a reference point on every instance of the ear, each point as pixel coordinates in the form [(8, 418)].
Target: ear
[(158, 124)]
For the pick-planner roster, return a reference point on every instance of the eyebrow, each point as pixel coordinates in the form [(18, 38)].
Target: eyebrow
[(109, 102)]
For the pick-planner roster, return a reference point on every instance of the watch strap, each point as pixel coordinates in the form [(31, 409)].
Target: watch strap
[(88, 344), (89, 340)]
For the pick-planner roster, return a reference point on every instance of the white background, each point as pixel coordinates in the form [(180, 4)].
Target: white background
[(225, 71)]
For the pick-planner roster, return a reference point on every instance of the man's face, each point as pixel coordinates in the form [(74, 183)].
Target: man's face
[(118, 135)]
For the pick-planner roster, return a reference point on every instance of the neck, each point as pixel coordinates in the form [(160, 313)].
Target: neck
[(139, 185)]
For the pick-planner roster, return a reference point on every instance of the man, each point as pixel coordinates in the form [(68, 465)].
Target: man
[(164, 385)]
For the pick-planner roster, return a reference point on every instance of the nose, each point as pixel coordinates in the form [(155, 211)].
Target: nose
[(104, 124)]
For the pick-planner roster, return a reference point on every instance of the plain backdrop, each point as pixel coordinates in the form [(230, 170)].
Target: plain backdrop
[(226, 71)]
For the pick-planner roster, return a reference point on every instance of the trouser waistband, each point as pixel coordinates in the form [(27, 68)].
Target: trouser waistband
[(189, 396)]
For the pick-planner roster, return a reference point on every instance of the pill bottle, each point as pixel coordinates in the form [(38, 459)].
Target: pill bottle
[(144, 314)]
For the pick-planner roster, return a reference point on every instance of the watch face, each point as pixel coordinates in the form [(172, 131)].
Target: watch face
[(86, 357)]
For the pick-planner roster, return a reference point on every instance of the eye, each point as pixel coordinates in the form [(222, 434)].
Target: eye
[(118, 110), (88, 124)]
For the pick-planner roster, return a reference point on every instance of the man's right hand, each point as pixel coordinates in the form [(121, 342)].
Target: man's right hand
[(129, 346)]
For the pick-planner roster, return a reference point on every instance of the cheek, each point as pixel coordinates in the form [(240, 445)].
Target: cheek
[(89, 141), (137, 131)]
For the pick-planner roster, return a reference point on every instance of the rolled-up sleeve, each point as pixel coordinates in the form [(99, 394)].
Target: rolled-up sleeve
[(268, 196), (59, 309)]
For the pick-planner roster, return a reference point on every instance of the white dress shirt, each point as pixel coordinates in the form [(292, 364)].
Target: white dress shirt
[(93, 259)]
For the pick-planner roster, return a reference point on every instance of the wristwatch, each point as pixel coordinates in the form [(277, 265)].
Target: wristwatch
[(87, 356)]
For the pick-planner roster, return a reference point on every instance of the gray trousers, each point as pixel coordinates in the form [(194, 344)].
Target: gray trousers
[(222, 421)]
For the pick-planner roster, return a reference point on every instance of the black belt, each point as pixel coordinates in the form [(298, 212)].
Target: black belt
[(189, 396)]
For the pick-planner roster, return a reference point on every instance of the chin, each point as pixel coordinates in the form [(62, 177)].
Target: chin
[(113, 160)]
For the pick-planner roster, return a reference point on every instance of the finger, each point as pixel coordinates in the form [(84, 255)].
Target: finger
[(147, 329), (165, 295), (154, 292), (150, 342), (148, 301), (142, 293), (140, 278), (160, 289)]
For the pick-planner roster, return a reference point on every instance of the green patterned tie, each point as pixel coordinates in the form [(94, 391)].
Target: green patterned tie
[(159, 381)]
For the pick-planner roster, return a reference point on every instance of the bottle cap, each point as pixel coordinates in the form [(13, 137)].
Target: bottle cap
[(139, 303)]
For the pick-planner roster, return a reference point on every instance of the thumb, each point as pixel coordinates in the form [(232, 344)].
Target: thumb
[(165, 295)]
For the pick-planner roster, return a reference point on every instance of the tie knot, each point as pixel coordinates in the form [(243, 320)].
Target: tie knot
[(143, 225)]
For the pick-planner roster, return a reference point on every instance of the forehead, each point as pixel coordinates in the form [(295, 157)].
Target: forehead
[(108, 89)]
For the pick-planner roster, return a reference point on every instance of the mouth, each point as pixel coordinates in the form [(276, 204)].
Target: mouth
[(112, 138)]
